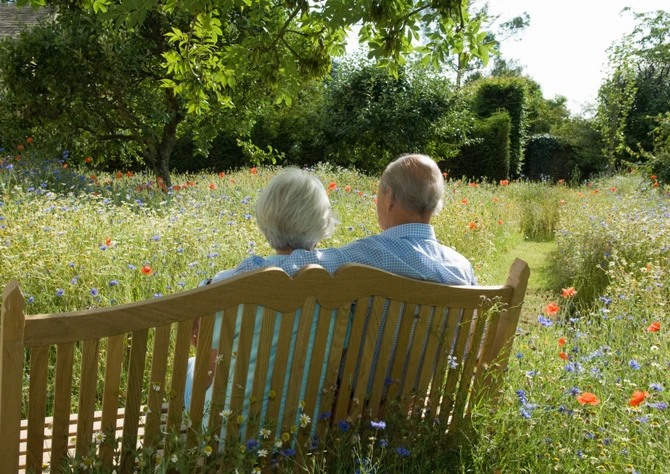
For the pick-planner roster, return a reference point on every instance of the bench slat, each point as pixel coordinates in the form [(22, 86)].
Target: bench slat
[(62, 396), (157, 383), (279, 371), (241, 368), (110, 395), (201, 379), (179, 368), (222, 371), (453, 375), (268, 321), (39, 360), (351, 358), (319, 347), (138, 351), (384, 357), (87, 393), (442, 359)]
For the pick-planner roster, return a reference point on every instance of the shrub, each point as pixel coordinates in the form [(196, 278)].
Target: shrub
[(488, 156), (506, 93)]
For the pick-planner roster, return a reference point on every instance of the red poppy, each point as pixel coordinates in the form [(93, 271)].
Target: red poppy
[(562, 341), (119, 175), (472, 226), (580, 195), (65, 165), (129, 174), (561, 181), (254, 170), (504, 182), (94, 177), (653, 176), (222, 174), (613, 189), (638, 397), (29, 140), (587, 398), (146, 269), (551, 309), (654, 327), (473, 185), (561, 202), (464, 201), (375, 199), (159, 179), (595, 192), (360, 193), (500, 221), (655, 185), (347, 188), (190, 183), (20, 147), (232, 180), (445, 174), (495, 199), (212, 186), (590, 185), (569, 292), (88, 159), (332, 185), (563, 356), (108, 242)]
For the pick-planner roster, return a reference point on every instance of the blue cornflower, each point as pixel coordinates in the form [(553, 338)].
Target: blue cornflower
[(103, 247), (607, 441), (114, 283), (131, 267), (181, 283), (388, 381), (658, 406), (378, 425), (60, 292), (288, 452), (30, 300), (94, 292), (343, 425), (402, 452), (519, 355), (643, 419), (251, 444), (546, 322), (324, 416), (605, 300), (158, 295), (574, 391), (525, 413), (180, 250), (522, 396), (156, 237), (657, 387), (383, 443), (634, 364)]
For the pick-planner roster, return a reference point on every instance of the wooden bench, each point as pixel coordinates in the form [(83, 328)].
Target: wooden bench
[(421, 325)]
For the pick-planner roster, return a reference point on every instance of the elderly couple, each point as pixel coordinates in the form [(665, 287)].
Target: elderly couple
[(294, 214)]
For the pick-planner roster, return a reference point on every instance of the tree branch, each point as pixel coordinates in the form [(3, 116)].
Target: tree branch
[(280, 35)]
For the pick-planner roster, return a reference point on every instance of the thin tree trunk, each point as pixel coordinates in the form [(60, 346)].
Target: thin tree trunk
[(159, 152)]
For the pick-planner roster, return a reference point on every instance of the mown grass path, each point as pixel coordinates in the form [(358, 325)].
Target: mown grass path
[(538, 255)]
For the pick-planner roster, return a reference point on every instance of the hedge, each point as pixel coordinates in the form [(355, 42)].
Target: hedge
[(506, 93), (489, 155)]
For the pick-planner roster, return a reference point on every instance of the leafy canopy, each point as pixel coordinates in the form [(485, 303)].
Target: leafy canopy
[(214, 45)]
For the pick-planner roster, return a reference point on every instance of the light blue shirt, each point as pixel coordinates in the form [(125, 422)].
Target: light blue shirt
[(409, 250)]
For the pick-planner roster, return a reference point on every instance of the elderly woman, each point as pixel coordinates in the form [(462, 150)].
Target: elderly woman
[(293, 212)]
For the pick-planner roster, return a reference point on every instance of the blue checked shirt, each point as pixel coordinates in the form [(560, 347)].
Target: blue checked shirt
[(409, 250)]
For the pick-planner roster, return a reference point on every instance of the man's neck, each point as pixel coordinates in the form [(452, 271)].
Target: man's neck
[(408, 219)]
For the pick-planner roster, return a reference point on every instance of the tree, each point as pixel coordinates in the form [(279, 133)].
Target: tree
[(637, 88), (201, 56)]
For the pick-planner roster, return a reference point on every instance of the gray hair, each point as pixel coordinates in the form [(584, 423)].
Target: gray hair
[(293, 211), (416, 184)]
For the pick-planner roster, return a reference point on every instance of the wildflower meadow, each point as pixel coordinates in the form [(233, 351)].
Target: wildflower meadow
[(587, 388)]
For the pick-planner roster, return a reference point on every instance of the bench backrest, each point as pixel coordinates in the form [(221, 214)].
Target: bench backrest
[(404, 330)]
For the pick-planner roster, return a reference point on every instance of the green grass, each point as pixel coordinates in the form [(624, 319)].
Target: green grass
[(613, 244)]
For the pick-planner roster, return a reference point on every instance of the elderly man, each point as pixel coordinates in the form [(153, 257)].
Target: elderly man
[(410, 194)]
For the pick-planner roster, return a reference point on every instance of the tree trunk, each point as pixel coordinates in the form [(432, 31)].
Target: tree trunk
[(158, 152)]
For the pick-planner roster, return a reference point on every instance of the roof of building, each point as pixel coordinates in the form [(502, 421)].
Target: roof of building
[(13, 19)]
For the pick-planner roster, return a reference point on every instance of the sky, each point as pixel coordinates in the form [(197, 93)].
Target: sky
[(565, 46)]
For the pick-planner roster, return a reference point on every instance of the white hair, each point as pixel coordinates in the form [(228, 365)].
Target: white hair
[(416, 183), (293, 211)]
